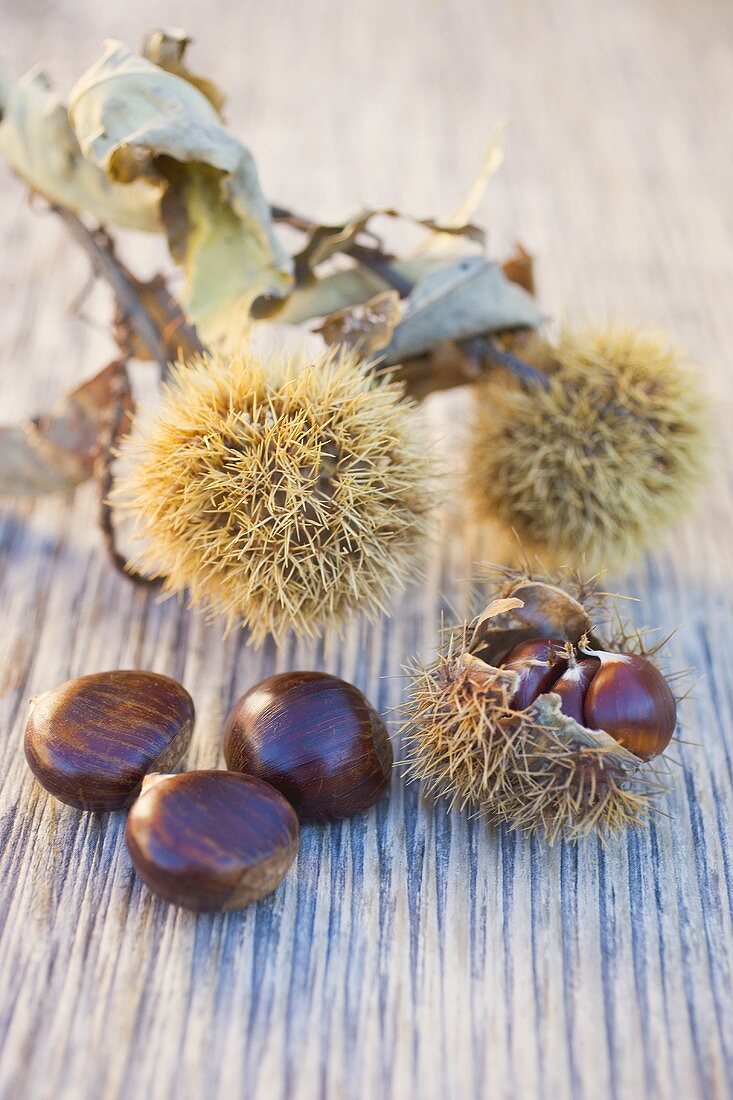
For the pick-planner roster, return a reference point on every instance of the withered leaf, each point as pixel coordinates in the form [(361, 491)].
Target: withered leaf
[(368, 327), (495, 608), (135, 120), (166, 47), (326, 240), (519, 268), (38, 142), (469, 297), (57, 451), (492, 161), (329, 293)]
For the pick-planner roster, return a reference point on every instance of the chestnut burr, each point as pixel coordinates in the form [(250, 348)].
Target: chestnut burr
[(211, 840), (91, 741), (316, 738)]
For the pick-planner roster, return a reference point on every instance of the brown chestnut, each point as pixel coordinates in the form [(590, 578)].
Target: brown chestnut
[(572, 686), (211, 840), (630, 699), (538, 662), (314, 737), (91, 741)]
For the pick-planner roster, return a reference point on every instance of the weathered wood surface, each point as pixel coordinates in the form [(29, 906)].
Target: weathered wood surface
[(413, 952)]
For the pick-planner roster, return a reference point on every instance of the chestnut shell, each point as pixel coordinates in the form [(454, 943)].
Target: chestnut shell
[(538, 663), (316, 738), (631, 700), (211, 840), (92, 740)]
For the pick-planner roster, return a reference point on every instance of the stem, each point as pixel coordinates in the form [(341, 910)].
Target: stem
[(163, 330), (106, 483), (484, 348)]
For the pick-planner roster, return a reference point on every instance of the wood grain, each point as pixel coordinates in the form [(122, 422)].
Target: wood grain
[(412, 952)]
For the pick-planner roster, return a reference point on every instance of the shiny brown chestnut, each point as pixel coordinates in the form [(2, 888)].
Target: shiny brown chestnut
[(211, 840), (316, 738), (630, 699), (538, 663), (91, 741)]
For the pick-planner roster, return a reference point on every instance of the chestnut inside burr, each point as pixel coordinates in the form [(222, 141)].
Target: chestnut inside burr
[(623, 694)]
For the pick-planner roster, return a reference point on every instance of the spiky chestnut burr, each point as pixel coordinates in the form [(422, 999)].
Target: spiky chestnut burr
[(590, 470), (485, 727), (281, 494)]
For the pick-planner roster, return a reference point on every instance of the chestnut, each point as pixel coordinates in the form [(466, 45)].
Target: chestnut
[(572, 686), (538, 662), (623, 694), (630, 699), (92, 740), (314, 737), (211, 840)]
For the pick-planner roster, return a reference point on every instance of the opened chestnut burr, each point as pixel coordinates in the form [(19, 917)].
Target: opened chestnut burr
[(92, 740), (211, 840), (314, 737)]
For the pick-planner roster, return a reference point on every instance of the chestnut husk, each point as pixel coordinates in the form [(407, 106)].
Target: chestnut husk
[(536, 769)]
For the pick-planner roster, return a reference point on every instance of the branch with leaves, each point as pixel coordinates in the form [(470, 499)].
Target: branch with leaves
[(142, 144)]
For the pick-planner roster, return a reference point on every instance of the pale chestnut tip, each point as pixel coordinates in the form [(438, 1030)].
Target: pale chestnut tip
[(154, 777)]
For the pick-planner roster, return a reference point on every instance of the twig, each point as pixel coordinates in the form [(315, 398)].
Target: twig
[(105, 473), (487, 350), (162, 336)]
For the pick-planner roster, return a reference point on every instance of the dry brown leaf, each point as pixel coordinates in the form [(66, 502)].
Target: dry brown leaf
[(166, 47), (368, 327), (56, 451)]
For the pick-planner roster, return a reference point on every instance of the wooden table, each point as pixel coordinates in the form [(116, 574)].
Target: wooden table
[(413, 952)]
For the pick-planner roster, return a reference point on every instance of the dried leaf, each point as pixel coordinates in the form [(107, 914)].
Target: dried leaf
[(135, 120), (495, 608), (470, 297), (342, 289), (551, 610), (366, 327), (57, 451), (326, 240), (546, 710), (519, 268), (492, 161), (166, 47), (40, 145)]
